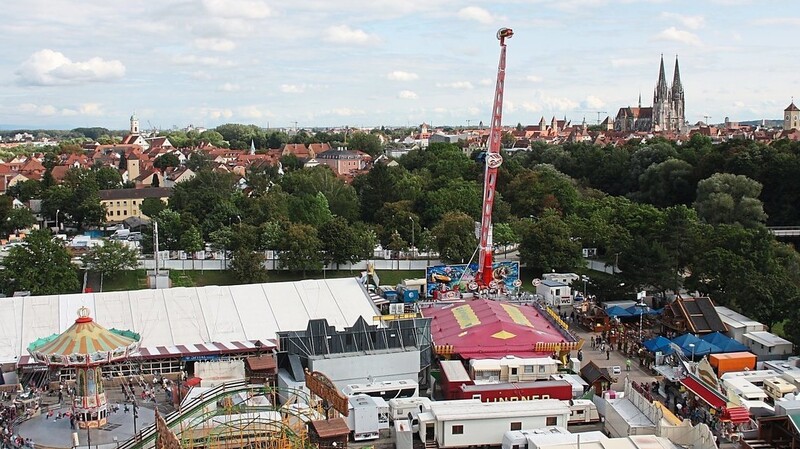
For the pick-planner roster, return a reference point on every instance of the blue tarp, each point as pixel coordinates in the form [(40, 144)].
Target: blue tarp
[(636, 311), (658, 344), (724, 343), (617, 311)]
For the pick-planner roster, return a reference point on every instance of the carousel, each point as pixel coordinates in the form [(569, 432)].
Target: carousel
[(86, 346)]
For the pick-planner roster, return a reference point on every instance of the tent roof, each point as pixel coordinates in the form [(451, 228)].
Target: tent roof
[(618, 311), (724, 343), (491, 329), (189, 316), (657, 344)]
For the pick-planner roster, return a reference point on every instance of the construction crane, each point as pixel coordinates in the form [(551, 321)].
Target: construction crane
[(484, 276), (595, 112)]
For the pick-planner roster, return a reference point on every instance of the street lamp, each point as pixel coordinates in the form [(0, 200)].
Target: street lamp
[(585, 279), (642, 306), (413, 247), (57, 212), (691, 345)]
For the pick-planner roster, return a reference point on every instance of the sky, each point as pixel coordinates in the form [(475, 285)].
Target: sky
[(364, 63)]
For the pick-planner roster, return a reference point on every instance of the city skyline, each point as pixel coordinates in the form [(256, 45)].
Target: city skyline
[(357, 63)]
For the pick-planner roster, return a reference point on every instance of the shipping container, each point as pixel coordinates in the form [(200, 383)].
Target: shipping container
[(732, 361)]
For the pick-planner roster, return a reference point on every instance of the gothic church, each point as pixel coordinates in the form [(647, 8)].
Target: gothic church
[(667, 113)]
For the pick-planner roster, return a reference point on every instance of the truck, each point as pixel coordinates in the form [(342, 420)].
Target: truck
[(732, 361), (457, 424), (516, 391), (367, 416)]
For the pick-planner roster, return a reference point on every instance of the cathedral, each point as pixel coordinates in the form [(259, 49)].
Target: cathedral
[(667, 113)]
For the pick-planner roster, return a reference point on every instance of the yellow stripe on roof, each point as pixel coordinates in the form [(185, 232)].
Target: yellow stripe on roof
[(465, 316), (516, 315)]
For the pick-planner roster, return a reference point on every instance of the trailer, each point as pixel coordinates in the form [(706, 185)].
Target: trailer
[(516, 391), (367, 416), (387, 389), (757, 377), (744, 389), (402, 408), (453, 376), (579, 386), (582, 411), (777, 388), (513, 369), (467, 423)]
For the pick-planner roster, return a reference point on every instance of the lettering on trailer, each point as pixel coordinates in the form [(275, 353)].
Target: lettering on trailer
[(522, 398), (319, 384)]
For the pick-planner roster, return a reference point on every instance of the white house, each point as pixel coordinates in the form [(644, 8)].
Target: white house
[(767, 346), (555, 293), (738, 324)]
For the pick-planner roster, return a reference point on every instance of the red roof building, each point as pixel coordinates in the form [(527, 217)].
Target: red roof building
[(492, 329)]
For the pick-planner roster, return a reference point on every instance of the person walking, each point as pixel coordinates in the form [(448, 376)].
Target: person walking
[(628, 364), (608, 353), (580, 355)]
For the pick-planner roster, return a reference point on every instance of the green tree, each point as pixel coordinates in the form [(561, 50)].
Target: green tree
[(110, 258), (546, 244), (165, 161), (309, 209), (16, 219), (300, 248), (210, 197), (667, 184), (26, 190), (247, 266), (199, 161), (191, 241), (503, 234), (455, 237), (339, 242), (42, 266), (725, 198), (368, 143), (152, 206), (107, 177)]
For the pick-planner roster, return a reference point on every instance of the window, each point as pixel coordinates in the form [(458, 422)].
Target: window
[(516, 426), (124, 203), (118, 213), (541, 369), (552, 421), (528, 369), (513, 371), (458, 430), (557, 292)]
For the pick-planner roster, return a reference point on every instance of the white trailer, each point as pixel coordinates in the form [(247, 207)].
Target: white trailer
[(579, 386), (367, 416), (466, 423), (400, 408)]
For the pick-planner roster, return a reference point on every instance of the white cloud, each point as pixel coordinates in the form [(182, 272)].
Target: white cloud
[(91, 109), (253, 112), (208, 61), (676, 35), (476, 14), (343, 34), (201, 75), (216, 113), (51, 68), (464, 85), (407, 95), (543, 102), (534, 78), (486, 82), (229, 87), (214, 44), (593, 102), (41, 110), (691, 22), (399, 75), (245, 9), (344, 112), (293, 88)]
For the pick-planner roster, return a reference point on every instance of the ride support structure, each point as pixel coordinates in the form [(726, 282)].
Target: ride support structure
[(493, 162)]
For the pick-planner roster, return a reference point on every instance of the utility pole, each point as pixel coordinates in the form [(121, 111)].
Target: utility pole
[(706, 117), (155, 247)]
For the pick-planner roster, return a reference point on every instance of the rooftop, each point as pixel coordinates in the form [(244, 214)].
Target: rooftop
[(735, 319), (767, 338), (126, 194), (453, 410)]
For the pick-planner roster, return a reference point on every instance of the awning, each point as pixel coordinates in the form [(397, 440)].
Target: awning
[(709, 396), (736, 415)]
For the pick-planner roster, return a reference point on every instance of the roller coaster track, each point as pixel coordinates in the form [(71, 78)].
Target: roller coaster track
[(146, 438)]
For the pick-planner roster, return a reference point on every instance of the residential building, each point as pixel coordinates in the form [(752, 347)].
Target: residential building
[(125, 203)]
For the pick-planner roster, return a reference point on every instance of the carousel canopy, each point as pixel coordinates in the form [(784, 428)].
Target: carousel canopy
[(84, 341)]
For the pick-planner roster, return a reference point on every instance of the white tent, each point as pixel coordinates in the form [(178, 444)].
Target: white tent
[(187, 316)]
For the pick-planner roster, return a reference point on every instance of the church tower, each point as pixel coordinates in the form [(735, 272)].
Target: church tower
[(677, 103), (134, 125), (791, 117), (661, 101)]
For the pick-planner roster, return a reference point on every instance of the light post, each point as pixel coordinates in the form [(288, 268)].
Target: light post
[(413, 247), (57, 212), (585, 279), (642, 306), (691, 345)]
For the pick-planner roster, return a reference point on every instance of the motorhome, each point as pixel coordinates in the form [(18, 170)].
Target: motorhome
[(744, 389), (777, 388), (388, 389)]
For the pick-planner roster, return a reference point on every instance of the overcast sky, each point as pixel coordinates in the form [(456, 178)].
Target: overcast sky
[(74, 63)]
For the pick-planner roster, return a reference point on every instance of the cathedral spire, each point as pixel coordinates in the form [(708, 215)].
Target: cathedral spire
[(661, 87), (676, 80), (640, 100)]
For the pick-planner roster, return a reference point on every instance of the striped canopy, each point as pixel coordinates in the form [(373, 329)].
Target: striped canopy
[(85, 342)]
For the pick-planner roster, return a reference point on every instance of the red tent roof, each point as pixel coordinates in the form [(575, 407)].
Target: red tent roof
[(491, 329), (736, 415)]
